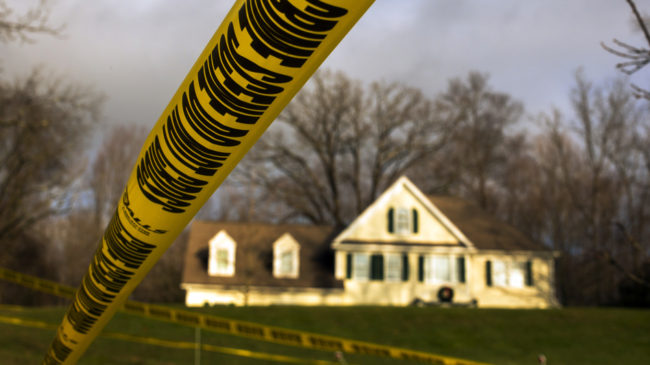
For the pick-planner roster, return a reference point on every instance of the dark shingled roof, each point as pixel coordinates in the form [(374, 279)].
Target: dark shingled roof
[(254, 255), (485, 231)]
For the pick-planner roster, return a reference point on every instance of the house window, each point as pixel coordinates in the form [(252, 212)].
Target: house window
[(286, 262), (403, 221), (360, 266), (394, 270), (513, 274), (222, 260), (222, 255), (286, 254), (441, 269), (367, 267)]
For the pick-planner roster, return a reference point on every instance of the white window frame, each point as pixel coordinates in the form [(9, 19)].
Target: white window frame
[(360, 266), (285, 246), (219, 243), (432, 263), (393, 267), (509, 273), (402, 221)]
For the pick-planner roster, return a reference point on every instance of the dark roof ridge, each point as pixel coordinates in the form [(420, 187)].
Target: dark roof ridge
[(260, 223)]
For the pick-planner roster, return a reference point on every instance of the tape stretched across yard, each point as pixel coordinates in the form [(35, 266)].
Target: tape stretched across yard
[(259, 57), (245, 329), (182, 345)]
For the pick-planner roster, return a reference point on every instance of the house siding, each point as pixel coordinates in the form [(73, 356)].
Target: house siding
[(449, 233)]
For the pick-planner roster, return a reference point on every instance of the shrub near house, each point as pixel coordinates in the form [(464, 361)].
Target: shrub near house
[(405, 247)]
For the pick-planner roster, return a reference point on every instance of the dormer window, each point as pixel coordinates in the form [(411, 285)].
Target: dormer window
[(402, 221), (286, 254), (222, 255)]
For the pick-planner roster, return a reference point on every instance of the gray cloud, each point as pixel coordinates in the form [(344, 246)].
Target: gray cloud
[(138, 52)]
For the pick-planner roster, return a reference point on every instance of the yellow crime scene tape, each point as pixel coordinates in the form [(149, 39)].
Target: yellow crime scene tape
[(246, 329), (182, 345), (260, 56)]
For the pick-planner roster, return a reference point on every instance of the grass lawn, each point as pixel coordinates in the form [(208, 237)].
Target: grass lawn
[(566, 336)]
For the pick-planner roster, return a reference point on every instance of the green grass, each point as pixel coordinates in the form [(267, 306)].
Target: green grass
[(566, 336)]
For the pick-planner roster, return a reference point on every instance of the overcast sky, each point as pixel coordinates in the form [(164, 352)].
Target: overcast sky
[(137, 52)]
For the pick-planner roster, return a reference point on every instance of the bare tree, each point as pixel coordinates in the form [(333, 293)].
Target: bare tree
[(43, 124), (20, 27), (112, 167), (478, 121), (591, 182), (338, 145), (637, 57)]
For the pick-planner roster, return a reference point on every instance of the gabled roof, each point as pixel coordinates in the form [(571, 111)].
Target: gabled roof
[(466, 223), (485, 231), (446, 233), (254, 255)]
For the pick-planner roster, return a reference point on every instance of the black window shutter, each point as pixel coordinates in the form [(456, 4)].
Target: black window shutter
[(348, 266), (529, 273), (377, 267), (488, 272), (461, 269), (421, 268), (391, 220), (415, 221), (405, 267)]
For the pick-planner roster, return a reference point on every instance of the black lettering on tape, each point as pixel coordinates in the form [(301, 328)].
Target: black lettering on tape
[(160, 313), (106, 276), (421, 358), (125, 249), (80, 321), (249, 330), (238, 90), (188, 317), (369, 350), (190, 152), (284, 336), (135, 221), (278, 38), (325, 343), (58, 353), (215, 323), (135, 307), (65, 290), (164, 184)]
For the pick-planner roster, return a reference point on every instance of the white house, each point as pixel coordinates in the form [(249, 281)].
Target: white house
[(405, 248)]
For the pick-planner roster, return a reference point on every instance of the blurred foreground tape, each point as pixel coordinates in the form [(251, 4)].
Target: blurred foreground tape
[(175, 344), (246, 329), (259, 57)]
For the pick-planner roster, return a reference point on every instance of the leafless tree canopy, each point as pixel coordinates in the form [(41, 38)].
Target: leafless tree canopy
[(43, 125), (635, 57), (478, 139), (338, 145), (23, 26), (578, 181)]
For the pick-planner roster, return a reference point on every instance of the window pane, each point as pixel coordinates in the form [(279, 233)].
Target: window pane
[(361, 269), (402, 224), (222, 260), (499, 273), (393, 267), (286, 262), (442, 269), (517, 274)]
